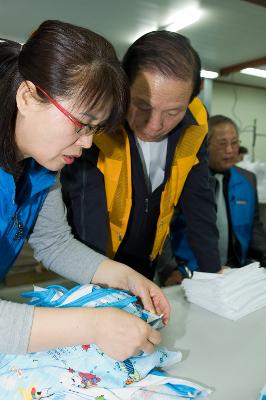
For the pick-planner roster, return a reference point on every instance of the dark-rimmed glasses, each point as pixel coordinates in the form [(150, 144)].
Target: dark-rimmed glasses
[(82, 129)]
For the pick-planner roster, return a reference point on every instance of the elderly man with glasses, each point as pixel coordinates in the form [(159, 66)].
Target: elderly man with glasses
[(241, 235)]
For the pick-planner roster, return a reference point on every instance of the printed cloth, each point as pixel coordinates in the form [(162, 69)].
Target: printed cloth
[(68, 373), (263, 394)]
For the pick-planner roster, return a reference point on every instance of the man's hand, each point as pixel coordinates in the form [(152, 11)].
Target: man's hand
[(223, 269), (175, 278)]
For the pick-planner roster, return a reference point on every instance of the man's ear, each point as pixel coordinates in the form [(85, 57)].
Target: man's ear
[(26, 97)]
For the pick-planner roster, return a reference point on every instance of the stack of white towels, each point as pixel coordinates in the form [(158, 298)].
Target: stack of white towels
[(233, 294)]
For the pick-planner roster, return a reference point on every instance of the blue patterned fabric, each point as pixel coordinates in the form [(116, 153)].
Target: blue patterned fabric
[(263, 394), (63, 369), (91, 296), (47, 375)]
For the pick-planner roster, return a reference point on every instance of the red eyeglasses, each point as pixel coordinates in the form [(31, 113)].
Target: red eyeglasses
[(82, 129)]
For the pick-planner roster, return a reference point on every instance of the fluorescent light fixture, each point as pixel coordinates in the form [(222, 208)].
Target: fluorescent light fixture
[(140, 33), (1, 41), (261, 73), (208, 74), (183, 18)]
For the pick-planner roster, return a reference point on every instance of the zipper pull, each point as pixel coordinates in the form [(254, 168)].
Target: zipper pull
[(146, 207), (19, 226)]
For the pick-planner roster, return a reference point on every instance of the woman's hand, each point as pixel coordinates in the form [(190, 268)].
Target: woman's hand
[(120, 276), (152, 297), (122, 335), (116, 332)]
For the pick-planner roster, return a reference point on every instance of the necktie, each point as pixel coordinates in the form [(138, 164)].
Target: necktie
[(222, 220)]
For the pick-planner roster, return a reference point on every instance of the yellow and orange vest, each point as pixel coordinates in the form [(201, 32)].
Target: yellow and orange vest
[(114, 162)]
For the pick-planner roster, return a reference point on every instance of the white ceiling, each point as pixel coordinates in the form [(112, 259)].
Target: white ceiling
[(229, 32)]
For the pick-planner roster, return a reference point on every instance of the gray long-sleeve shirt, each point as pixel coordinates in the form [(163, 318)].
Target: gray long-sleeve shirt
[(56, 248)]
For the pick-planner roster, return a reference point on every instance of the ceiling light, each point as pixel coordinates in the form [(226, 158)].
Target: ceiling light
[(208, 74), (140, 33), (183, 18), (3, 40), (261, 73)]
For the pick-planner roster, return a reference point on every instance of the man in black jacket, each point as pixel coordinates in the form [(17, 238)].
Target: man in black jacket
[(121, 194)]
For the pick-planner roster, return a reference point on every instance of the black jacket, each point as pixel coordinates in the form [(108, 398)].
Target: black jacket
[(84, 196)]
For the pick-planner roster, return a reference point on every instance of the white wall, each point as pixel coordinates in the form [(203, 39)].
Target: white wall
[(243, 105)]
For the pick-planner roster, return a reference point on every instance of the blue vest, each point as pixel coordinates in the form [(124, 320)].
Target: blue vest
[(18, 219), (241, 201)]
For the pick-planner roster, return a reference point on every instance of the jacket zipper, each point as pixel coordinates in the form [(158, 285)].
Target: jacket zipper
[(146, 205)]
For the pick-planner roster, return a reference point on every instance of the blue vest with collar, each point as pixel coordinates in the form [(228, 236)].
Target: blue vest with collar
[(241, 202), (17, 220)]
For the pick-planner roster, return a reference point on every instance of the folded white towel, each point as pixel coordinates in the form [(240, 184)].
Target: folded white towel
[(233, 294)]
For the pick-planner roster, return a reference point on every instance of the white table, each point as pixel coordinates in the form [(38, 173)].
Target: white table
[(226, 356)]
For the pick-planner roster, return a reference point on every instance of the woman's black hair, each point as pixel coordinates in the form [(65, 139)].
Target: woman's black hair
[(167, 52), (65, 60)]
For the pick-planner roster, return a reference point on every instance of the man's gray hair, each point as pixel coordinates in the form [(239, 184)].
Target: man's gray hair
[(217, 120)]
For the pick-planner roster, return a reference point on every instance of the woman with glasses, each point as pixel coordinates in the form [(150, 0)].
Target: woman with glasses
[(56, 91)]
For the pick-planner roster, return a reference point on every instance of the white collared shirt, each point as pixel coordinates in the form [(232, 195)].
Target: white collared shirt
[(153, 157)]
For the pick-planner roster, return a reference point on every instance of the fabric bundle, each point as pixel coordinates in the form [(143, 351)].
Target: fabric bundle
[(85, 371), (233, 294), (263, 394)]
